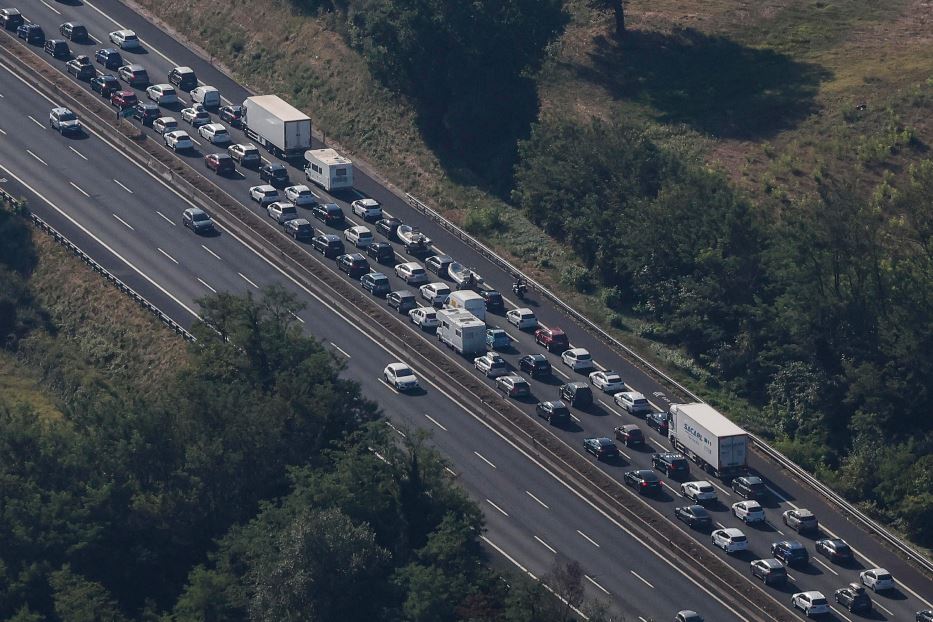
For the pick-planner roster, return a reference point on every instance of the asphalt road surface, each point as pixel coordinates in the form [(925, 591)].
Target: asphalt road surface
[(171, 267)]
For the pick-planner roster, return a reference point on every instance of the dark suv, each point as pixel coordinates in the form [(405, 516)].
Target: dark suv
[(535, 365), (328, 213), (355, 265), (146, 112), (644, 481), (328, 245), (73, 31), (791, 552), (32, 33), (58, 48), (494, 300), (577, 394), (658, 421), (630, 434), (750, 487), (382, 252), (555, 412), (388, 227), (11, 19), (854, 598), (671, 464), (274, 174), (183, 77)]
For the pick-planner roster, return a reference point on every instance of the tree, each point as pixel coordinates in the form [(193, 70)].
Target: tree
[(566, 579), (79, 600)]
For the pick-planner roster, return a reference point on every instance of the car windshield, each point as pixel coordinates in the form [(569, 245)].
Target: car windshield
[(200, 216)]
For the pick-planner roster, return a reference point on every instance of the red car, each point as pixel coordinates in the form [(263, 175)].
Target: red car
[(554, 339), (124, 99), (220, 163)]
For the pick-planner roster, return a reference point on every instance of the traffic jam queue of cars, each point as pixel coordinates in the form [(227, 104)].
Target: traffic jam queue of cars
[(457, 314)]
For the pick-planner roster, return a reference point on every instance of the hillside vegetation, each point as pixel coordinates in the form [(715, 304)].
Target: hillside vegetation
[(739, 189), (240, 478)]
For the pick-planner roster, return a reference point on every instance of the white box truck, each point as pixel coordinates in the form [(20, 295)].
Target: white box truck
[(461, 331), (276, 125), (719, 446), (468, 300), (328, 169)]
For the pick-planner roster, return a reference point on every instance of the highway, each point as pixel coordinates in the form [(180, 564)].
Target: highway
[(174, 270), (132, 228)]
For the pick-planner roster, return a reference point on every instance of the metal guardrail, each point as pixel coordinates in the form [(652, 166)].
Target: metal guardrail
[(126, 289), (867, 522)]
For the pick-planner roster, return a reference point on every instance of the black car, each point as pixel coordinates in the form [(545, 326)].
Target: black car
[(835, 549), (274, 174), (57, 48), (382, 252), (645, 481), (924, 616), (854, 598), (577, 394), (105, 84), (183, 77), (535, 365), (299, 228), (328, 245), (32, 33), (354, 264), (750, 487), (671, 464), (109, 58), (73, 31), (403, 300), (328, 213), (694, 515), (438, 264), (658, 421), (555, 412), (494, 301), (197, 220), (603, 448), (791, 552), (146, 112), (11, 19), (770, 571), (389, 227), (232, 115)]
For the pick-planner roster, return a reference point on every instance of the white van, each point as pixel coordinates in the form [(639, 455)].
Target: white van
[(207, 96), (468, 300)]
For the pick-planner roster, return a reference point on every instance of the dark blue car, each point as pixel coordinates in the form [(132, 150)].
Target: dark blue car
[(32, 33), (109, 58)]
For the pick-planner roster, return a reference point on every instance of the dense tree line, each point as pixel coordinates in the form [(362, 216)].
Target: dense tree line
[(259, 484), (821, 312), (465, 66)]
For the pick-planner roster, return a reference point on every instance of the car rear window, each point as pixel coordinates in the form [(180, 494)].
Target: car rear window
[(884, 577), (640, 402), (289, 209), (819, 601), (706, 489), (679, 463), (739, 539)]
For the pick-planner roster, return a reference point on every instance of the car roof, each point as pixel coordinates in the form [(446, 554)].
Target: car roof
[(437, 258), (802, 512), (60, 109), (183, 69), (770, 562), (732, 531), (330, 237), (752, 479)]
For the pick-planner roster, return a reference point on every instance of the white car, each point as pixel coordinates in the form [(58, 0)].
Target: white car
[(878, 579), (164, 124), (125, 39), (730, 540), (424, 317), (300, 195), (412, 273), (811, 603), (699, 492), (196, 116), (523, 318), (632, 401), (400, 376), (282, 211), (607, 381), (359, 236), (492, 365), (246, 154), (433, 292), (162, 94), (577, 359), (367, 209), (215, 133), (748, 512), (178, 140), (264, 194)]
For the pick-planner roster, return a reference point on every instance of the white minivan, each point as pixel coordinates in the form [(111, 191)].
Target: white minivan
[(207, 96)]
